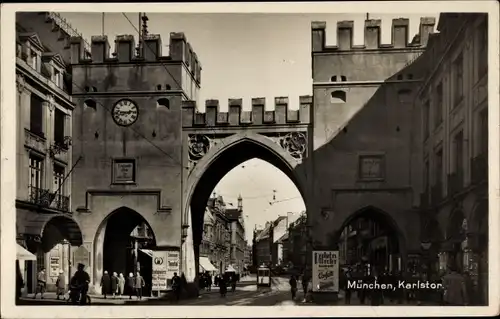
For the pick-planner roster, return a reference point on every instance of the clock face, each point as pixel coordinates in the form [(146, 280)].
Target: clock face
[(125, 112)]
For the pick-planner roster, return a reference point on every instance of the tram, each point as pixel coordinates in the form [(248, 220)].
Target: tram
[(263, 276)]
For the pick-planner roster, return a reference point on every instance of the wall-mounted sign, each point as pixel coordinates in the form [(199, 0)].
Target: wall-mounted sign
[(55, 266), (325, 271), (123, 171)]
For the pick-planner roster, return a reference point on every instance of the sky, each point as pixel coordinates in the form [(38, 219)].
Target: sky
[(245, 55)]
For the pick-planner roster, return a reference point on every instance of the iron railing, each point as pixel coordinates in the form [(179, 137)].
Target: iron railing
[(45, 198), (68, 28)]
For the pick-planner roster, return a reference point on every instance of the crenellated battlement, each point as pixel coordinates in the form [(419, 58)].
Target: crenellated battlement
[(372, 35), (236, 116), (125, 51)]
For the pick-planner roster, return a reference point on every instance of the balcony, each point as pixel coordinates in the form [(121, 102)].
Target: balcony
[(47, 199), (455, 183), (436, 193), (479, 169), (35, 141)]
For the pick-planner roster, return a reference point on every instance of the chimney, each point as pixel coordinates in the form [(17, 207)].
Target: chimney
[(177, 46), (344, 34), (99, 48), (372, 33), (426, 28), (400, 32), (77, 48)]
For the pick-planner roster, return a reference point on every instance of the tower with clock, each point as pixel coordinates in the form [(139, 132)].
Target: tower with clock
[(127, 126)]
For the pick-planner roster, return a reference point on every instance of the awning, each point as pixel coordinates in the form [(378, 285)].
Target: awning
[(148, 252), (67, 226), (230, 269), (206, 265), (23, 254)]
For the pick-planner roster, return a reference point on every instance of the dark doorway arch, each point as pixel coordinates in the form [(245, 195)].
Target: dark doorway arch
[(127, 239), (369, 240), (230, 157)]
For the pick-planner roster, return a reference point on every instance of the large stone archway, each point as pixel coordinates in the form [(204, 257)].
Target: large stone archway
[(223, 156), (388, 240), (116, 250)]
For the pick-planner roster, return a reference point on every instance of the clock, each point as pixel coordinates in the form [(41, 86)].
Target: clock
[(125, 112)]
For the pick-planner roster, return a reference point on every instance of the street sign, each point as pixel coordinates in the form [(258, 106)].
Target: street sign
[(159, 274), (325, 271)]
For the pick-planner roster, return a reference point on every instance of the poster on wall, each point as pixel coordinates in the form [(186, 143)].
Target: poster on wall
[(325, 271), (159, 274), (173, 262), (54, 266)]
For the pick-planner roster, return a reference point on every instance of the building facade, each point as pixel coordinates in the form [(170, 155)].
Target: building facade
[(248, 255), (238, 242), (453, 142), (297, 244), (362, 96), (45, 225), (216, 243)]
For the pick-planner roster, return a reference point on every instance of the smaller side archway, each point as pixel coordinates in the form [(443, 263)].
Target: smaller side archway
[(370, 240), (122, 244)]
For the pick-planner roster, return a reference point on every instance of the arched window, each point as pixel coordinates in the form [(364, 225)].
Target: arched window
[(90, 103), (339, 97), (158, 87), (343, 78), (400, 76), (163, 102), (333, 78), (168, 87)]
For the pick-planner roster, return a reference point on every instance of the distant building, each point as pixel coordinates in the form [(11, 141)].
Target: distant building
[(267, 248), (296, 245), (282, 250), (248, 261), (238, 242), (216, 241)]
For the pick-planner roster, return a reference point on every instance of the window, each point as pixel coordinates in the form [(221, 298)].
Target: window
[(438, 106), (34, 60), (483, 132), (36, 115), (339, 97), (439, 167), (425, 120), (59, 119), (483, 48), (36, 172), (458, 142), (458, 80), (57, 77), (58, 179)]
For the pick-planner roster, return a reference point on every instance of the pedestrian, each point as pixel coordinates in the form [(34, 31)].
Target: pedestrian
[(80, 281), (455, 290), (347, 292), (121, 285), (61, 285), (222, 286), (293, 286), (216, 280), (139, 285), (41, 283), (114, 284), (19, 281), (105, 284), (176, 286), (130, 285), (209, 282), (233, 283), (305, 283)]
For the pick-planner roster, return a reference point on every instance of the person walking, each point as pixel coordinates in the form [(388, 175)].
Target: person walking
[(105, 284), (114, 284), (455, 290), (41, 283), (121, 285), (209, 282), (222, 286), (305, 283), (130, 285), (61, 285), (139, 285), (176, 286), (293, 286), (19, 281)]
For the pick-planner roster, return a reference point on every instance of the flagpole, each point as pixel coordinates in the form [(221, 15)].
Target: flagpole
[(102, 23)]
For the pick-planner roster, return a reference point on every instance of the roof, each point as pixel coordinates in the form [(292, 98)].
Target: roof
[(233, 214), (264, 233)]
